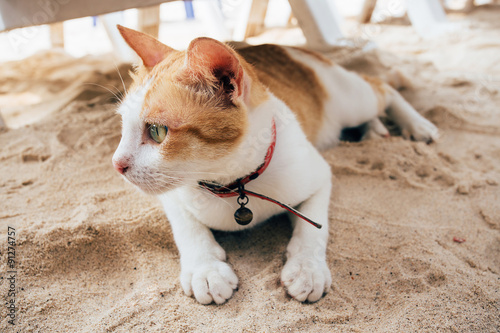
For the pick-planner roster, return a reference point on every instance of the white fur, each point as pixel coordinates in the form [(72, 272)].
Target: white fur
[(297, 175), (352, 102)]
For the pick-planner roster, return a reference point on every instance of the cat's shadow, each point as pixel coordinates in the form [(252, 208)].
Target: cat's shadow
[(258, 246)]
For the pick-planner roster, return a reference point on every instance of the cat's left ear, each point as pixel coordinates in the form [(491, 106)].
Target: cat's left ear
[(151, 50), (206, 57)]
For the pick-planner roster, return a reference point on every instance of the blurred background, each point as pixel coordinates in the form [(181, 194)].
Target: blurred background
[(181, 21)]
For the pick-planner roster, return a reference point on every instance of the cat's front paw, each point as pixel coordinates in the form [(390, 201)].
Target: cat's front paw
[(421, 129), (208, 282), (306, 278)]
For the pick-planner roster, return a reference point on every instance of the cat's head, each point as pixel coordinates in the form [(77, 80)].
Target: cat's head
[(185, 114)]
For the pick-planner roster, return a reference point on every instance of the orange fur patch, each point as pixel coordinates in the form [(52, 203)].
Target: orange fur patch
[(292, 82), (201, 125)]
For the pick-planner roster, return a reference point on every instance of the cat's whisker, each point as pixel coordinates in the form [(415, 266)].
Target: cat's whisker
[(118, 97), (168, 180), (115, 93), (119, 94), (121, 78), (199, 172)]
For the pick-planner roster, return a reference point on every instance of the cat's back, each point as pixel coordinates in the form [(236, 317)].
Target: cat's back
[(285, 71)]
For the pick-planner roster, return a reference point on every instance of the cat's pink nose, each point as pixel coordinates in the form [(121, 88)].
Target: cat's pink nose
[(121, 166)]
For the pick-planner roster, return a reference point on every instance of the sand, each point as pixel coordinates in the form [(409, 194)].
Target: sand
[(95, 255)]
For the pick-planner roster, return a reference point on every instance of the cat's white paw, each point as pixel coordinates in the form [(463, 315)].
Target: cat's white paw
[(208, 282), (375, 130), (421, 129), (306, 278)]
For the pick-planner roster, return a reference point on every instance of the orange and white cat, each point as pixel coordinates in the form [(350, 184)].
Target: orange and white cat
[(208, 113)]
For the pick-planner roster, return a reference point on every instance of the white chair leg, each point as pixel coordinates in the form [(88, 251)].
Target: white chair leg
[(427, 17), (256, 18), (210, 12), (119, 45), (243, 13), (367, 11), (319, 21)]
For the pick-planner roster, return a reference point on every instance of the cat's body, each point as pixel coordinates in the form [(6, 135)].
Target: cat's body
[(219, 110)]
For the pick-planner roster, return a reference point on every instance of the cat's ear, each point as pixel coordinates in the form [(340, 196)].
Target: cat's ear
[(148, 48), (206, 57)]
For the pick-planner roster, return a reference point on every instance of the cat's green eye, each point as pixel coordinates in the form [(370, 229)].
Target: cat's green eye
[(158, 132)]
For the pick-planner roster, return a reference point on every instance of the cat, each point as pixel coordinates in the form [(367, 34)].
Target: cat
[(199, 119)]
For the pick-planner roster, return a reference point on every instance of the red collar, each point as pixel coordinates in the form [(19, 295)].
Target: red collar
[(243, 216), (231, 190)]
